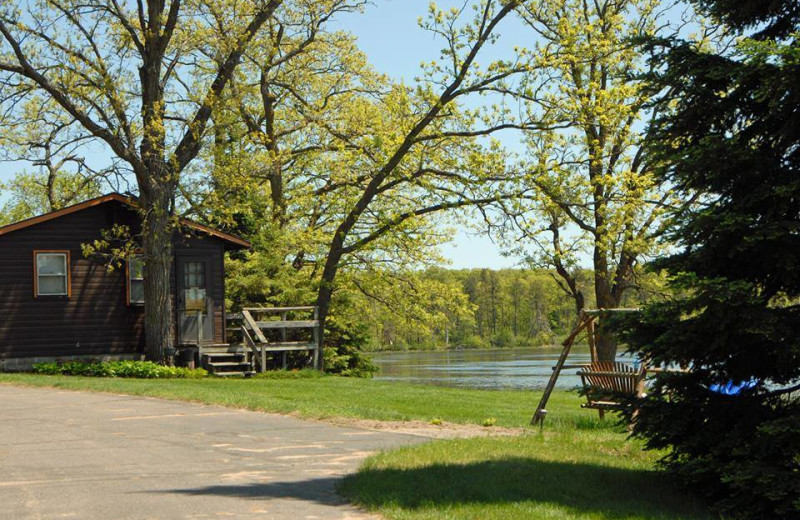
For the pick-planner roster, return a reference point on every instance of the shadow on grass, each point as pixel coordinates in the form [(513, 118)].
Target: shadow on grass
[(603, 492), (600, 492)]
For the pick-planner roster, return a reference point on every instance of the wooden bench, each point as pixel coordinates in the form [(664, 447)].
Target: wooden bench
[(607, 384)]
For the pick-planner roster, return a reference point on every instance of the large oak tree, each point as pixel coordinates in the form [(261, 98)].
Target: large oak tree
[(137, 77), (596, 200)]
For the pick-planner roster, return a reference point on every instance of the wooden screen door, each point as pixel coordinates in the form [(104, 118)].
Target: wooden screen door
[(195, 305)]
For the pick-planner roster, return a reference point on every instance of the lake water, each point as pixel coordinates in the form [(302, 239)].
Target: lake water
[(523, 369)]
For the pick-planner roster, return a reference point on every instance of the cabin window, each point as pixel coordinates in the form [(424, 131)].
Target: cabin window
[(52, 273), (136, 280)]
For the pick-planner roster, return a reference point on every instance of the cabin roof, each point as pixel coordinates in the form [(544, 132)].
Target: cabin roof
[(128, 201)]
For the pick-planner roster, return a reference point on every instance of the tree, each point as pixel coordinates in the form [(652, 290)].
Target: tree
[(729, 132), (359, 168), (290, 138), (49, 142), (595, 192), (138, 79), (274, 124), (34, 193), (428, 159)]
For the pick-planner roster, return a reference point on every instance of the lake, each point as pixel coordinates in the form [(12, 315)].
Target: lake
[(522, 369)]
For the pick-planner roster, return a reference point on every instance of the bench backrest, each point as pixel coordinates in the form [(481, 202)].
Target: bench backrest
[(611, 376)]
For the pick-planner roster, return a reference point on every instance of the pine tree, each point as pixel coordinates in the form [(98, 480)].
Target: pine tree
[(730, 136)]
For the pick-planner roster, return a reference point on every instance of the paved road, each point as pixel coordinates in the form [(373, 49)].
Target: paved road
[(107, 457)]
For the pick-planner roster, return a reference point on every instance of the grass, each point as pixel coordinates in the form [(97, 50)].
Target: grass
[(577, 467), (568, 475), (328, 397)]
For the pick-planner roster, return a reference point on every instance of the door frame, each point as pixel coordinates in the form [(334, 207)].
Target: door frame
[(180, 261)]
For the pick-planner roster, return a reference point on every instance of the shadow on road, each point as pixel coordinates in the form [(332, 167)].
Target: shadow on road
[(319, 490), (599, 491)]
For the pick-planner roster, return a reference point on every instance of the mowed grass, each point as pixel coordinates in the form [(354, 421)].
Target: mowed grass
[(564, 475), (326, 397), (576, 467)]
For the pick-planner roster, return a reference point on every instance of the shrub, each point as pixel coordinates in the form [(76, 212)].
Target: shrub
[(504, 338), (348, 361), (343, 355), (49, 369), (472, 341), (127, 369)]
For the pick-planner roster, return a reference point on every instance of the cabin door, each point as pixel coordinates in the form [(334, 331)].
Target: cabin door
[(195, 305)]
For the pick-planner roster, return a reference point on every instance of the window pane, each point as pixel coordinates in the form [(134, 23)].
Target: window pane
[(137, 291), (136, 268), (51, 263), (194, 275), (52, 285)]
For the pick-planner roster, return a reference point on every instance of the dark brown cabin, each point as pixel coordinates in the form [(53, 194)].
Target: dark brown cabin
[(57, 305)]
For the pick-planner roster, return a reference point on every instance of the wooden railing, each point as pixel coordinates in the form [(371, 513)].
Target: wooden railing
[(257, 321)]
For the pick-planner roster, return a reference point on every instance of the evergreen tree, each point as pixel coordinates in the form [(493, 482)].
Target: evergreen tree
[(730, 136)]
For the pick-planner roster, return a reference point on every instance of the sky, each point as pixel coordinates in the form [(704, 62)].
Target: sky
[(388, 32)]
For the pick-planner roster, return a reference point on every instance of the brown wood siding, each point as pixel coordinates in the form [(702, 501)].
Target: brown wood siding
[(96, 319), (93, 320)]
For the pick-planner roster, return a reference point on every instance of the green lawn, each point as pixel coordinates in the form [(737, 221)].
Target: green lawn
[(328, 397), (567, 475), (577, 467)]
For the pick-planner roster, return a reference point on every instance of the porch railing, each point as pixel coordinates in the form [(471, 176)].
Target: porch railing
[(259, 323)]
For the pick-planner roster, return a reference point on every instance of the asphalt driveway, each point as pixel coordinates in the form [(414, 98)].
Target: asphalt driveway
[(106, 457)]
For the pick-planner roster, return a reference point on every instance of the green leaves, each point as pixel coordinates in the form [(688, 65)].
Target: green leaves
[(125, 369)]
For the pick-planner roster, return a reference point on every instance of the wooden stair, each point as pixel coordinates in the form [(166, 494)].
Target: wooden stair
[(226, 361)]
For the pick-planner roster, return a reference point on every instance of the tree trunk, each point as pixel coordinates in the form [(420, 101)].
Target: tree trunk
[(156, 187), (324, 305), (605, 341), (325, 294), (157, 242)]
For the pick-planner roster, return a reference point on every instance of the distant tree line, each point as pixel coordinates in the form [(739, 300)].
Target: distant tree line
[(479, 308)]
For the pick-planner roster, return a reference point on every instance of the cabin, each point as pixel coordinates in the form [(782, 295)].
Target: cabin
[(57, 305)]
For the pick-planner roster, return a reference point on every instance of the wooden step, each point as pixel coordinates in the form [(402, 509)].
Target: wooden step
[(216, 347), (229, 364), (286, 346), (247, 373), (223, 356), (223, 365)]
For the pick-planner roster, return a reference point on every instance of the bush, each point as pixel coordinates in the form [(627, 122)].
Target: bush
[(473, 341), (127, 369), (504, 338), (343, 355)]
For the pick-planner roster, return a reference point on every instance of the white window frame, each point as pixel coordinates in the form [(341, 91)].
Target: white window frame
[(66, 276), (129, 279)]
